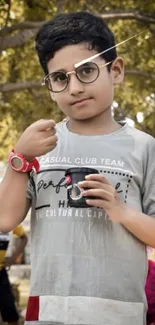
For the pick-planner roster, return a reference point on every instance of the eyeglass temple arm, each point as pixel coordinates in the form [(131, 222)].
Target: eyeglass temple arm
[(105, 64), (110, 48)]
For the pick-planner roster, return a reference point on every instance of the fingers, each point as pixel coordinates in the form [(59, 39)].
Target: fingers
[(95, 181), (98, 203), (38, 139), (50, 132), (97, 177), (102, 200), (43, 125), (92, 184), (100, 193), (51, 141)]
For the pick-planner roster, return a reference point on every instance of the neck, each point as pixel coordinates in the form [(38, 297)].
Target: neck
[(98, 125)]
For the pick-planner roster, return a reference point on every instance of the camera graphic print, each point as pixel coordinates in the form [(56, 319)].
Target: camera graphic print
[(57, 191), (74, 192)]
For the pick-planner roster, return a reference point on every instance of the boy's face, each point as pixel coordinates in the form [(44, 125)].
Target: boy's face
[(82, 101)]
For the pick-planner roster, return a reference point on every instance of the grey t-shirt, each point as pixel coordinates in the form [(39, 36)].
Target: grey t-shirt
[(87, 270)]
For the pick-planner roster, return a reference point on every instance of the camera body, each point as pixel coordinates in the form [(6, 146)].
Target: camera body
[(74, 192)]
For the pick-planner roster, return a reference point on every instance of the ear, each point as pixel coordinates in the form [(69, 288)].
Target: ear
[(117, 71)]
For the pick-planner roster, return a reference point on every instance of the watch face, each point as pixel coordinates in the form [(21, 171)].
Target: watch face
[(16, 163)]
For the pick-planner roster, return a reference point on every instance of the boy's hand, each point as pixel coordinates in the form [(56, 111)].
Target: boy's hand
[(38, 139), (106, 197)]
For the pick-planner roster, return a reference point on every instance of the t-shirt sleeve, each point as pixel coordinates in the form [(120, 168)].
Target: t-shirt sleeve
[(31, 189), (19, 231), (148, 197)]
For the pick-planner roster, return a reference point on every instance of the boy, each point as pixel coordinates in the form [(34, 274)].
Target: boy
[(88, 265), (8, 309)]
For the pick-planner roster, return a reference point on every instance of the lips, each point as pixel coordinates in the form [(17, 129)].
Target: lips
[(82, 100)]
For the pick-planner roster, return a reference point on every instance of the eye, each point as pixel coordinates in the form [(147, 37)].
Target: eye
[(86, 70), (58, 77)]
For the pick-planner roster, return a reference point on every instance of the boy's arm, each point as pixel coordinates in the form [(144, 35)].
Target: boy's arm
[(14, 204), (139, 224), (38, 139)]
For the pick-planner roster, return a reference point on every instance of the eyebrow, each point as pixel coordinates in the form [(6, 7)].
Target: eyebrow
[(63, 70), (56, 71), (110, 48)]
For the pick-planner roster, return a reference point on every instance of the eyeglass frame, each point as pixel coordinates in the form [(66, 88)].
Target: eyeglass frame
[(75, 73)]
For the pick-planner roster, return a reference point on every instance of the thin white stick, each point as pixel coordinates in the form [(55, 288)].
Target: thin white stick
[(110, 48)]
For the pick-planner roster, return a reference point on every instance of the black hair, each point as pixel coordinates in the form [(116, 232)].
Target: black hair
[(74, 28)]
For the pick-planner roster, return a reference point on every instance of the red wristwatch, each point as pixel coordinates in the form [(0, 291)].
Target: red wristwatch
[(19, 163)]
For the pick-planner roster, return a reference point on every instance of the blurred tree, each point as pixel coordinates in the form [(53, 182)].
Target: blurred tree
[(23, 100)]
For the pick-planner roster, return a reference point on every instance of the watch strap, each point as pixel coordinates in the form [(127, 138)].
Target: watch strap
[(28, 166)]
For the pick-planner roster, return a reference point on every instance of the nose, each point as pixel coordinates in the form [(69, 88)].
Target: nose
[(75, 85)]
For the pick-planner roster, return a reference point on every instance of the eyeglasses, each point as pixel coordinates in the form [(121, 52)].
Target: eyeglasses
[(86, 73)]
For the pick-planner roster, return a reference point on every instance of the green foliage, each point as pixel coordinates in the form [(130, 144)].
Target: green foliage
[(20, 108)]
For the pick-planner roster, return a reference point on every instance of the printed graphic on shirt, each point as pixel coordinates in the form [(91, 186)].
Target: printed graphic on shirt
[(51, 185)]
